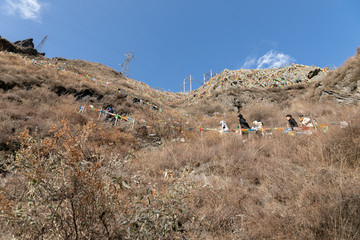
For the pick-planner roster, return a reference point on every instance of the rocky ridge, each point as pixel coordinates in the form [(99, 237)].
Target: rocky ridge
[(269, 85), (25, 47)]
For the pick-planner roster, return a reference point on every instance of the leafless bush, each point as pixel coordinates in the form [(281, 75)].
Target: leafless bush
[(205, 109), (65, 187)]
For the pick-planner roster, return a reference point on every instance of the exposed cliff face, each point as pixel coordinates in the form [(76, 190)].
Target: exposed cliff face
[(343, 84), (235, 89), (262, 79)]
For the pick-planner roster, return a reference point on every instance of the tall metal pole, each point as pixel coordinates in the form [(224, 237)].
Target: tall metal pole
[(204, 78), (184, 84), (210, 73), (41, 44), (190, 83)]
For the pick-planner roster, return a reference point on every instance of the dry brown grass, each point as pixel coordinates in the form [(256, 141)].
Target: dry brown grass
[(342, 85), (86, 180), (281, 187), (274, 115), (204, 109), (34, 98), (350, 72)]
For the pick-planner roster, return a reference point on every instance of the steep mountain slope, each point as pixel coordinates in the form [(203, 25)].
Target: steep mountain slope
[(113, 78), (233, 90), (343, 84), (37, 91), (35, 94), (72, 171), (263, 78)]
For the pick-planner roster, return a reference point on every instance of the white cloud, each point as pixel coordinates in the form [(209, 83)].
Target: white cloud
[(249, 62), (26, 9), (271, 59)]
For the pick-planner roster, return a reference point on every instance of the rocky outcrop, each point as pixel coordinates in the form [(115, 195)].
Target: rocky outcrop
[(262, 79), (343, 85), (27, 43), (339, 97), (236, 99), (6, 45), (313, 73)]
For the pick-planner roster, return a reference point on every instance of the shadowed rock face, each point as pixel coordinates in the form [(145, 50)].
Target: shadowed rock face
[(313, 73), (27, 43)]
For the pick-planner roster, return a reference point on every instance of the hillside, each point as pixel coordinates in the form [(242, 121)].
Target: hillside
[(235, 89), (6, 45), (263, 78), (33, 86), (158, 168), (38, 93), (343, 84)]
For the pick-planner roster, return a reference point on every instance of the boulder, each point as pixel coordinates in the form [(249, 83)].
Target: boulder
[(313, 73)]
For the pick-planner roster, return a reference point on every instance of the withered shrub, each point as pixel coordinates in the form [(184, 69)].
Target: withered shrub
[(67, 187)]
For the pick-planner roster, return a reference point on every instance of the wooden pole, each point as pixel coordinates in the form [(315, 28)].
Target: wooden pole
[(100, 114), (116, 118), (184, 85), (314, 123)]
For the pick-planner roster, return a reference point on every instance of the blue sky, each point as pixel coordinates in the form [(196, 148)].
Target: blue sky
[(172, 39)]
